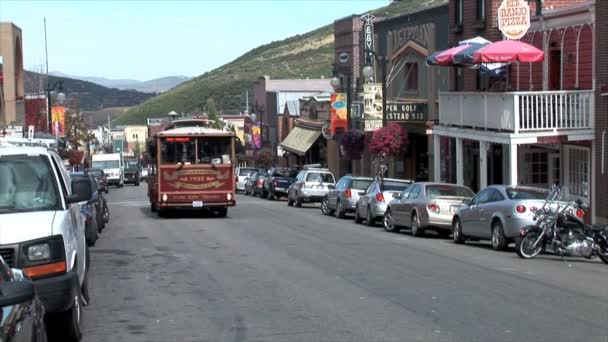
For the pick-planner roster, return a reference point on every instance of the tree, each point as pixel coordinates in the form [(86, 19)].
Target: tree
[(386, 143), (211, 110)]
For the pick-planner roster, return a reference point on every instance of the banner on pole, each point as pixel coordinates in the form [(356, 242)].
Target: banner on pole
[(338, 114), (58, 118)]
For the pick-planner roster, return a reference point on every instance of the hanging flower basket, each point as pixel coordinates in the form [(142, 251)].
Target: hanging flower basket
[(352, 144), (388, 141)]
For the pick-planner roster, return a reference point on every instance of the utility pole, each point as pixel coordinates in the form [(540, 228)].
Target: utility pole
[(247, 100)]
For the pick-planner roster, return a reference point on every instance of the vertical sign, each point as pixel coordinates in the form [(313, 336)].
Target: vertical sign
[(58, 118), (372, 106), (338, 113), (368, 37), (514, 18)]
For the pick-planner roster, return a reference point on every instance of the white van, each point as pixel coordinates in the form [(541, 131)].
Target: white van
[(112, 165), (42, 231)]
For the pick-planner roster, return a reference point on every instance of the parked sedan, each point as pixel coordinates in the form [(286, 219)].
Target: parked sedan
[(91, 209), (251, 182), (373, 202), (21, 312), (100, 177), (497, 213), (342, 198), (424, 205)]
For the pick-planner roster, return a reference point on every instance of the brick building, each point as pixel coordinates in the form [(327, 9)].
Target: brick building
[(534, 127), (601, 110)]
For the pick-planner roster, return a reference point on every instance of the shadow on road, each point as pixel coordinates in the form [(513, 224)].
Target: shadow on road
[(183, 214)]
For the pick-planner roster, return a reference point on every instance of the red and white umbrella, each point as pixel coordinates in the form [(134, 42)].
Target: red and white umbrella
[(506, 51)]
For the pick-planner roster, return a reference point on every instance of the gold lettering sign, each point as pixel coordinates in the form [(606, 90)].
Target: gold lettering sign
[(188, 186), (514, 18)]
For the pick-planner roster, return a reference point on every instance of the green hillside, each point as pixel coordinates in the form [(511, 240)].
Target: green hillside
[(300, 56)]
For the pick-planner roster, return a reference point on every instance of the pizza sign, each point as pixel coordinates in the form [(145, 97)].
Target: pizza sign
[(514, 18)]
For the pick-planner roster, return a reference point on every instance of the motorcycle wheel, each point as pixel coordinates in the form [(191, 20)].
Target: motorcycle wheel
[(603, 255), (524, 246)]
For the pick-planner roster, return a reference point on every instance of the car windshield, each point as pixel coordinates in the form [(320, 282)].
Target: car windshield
[(106, 164), (525, 194), (287, 173), (393, 186), (246, 172), (95, 173), (434, 191), (131, 164), (320, 177), (27, 184), (361, 184)]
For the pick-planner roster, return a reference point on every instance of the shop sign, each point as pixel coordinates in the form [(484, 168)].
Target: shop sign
[(368, 37), (406, 112), (372, 106), (514, 18)]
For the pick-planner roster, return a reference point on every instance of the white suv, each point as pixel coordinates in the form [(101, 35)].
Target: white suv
[(42, 231), (311, 185)]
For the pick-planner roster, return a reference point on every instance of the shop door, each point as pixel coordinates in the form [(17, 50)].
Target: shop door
[(555, 70)]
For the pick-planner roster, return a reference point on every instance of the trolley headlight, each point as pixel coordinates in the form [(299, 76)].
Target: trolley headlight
[(229, 196), (164, 197)]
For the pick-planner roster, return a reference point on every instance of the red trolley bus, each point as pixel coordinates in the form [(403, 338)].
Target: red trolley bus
[(191, 167)]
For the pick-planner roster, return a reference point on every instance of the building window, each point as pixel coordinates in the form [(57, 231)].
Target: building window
[(411, 76), (458, 13), (481, 11)]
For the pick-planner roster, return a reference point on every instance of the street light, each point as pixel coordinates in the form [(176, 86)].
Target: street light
[(368, 73), (60, 99)]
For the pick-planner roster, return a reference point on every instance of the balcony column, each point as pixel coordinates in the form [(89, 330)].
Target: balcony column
[(483, 164), (459, 162), (436, 158), (513, 164)]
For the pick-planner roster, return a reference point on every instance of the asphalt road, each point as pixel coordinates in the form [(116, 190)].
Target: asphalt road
[(270, 272)]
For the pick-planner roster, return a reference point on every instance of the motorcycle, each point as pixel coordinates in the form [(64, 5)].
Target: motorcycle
[(561, 228)]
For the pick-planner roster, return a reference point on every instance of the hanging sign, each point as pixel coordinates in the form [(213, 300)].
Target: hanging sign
[(514, 18), (406, 112), (326, 130), (372, 106), (368, 37)]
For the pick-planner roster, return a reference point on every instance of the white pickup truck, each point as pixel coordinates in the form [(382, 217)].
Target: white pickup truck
[(42, 232)]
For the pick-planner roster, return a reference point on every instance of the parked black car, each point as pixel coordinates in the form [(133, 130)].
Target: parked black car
[(278, 181), (132, 171), (100, 177), (21, 312), (250, 181), (92, 209)]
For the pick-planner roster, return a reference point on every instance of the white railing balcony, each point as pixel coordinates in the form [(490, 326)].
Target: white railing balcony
[(519, 112)]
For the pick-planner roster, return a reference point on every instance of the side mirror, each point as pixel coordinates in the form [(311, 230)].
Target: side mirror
[(397, 195), (467, 201), (16, 292), (331, 187), (81, 191)]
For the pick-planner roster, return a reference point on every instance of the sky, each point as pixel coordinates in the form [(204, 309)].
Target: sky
[(147, 39)]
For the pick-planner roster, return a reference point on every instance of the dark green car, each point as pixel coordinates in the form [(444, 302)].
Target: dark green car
[(132, 171)]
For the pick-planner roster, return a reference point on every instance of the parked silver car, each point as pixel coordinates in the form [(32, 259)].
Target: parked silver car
[(311, 186), (342, 198), (373, 202), (497, 213), (425, 204)]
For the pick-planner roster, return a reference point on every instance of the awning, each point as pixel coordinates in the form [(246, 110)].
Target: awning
[(300, 139)]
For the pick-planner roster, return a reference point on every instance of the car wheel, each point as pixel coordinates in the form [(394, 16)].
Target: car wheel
[(106, 214), (137, 184), (325, 206), (499, 242), (289, 201), (270, 196), (298, 202), (369, 219), (85, 284), (357, 217), (457, 235), (153, 207), (388, 223), (67, 324), (415, 226)]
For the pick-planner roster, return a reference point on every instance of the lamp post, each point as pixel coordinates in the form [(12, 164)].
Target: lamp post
[(60, 99), (368, 73)]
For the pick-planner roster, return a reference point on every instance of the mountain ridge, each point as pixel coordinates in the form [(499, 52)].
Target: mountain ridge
[(156, 85)]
